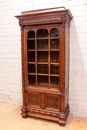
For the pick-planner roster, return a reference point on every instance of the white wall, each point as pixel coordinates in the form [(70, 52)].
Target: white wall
[(10, 50)]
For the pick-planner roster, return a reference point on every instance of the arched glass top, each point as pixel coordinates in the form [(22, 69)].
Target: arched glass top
[(54, 32), (42, 33), (31, 34)]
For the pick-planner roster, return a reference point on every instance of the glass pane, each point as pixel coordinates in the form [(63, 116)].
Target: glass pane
[(54, 82), (42, 81), (42, 44), (42, 69), (30, 34), (54, 32), (54, 43), (31, 80), (31, 68), (31, 44), (42, 56), (54, 57), (42, 33), (54, 69), (31, 56)]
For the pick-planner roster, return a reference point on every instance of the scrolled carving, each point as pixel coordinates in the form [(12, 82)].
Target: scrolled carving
[(63, 78), (20, 22), (34, 99), (63, 81), (52, 101), (23, 81)]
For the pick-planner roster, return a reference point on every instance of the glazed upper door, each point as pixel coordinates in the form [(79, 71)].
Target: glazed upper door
[(43, 56)]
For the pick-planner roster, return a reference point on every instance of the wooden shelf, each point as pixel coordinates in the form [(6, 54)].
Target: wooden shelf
[(43, 84), (42, 63), (31, 50), (30, 38), (31, 73), (42, 74), (55, 75), (31, 62), (54, 50), (54, 63), (42, 38), (54, 37), (42, 50)]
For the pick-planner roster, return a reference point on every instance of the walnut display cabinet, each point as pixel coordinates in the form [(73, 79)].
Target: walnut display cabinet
[(45, 63)]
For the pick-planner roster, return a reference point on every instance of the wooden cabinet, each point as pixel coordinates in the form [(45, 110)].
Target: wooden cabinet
[(45, 63)]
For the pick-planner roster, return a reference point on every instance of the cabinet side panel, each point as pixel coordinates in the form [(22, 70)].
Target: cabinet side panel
[(67, 45)]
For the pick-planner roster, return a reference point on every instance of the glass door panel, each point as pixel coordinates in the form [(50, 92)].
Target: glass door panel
[(42, 33), (42, 81), (31, 68), (42, 44), (54, 57), (31, 34), (31, 45), (54, 44), (54, 69), (42, 69), (54, 32), (42, 56), (31, 56), (54, 82), (32, 80)]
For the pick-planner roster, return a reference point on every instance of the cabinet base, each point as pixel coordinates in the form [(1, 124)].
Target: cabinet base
[(59, 117)]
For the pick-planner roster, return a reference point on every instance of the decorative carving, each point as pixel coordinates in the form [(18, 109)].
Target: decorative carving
[(23, 81), (23, 111), (43, 112), (63, 21), (52, 101), (34, 99), (43, 104), (20, 22), (41, 19), (63, 81)]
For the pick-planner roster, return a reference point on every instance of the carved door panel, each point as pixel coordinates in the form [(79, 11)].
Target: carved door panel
[(43, 100), (52, 101), (34, 99)]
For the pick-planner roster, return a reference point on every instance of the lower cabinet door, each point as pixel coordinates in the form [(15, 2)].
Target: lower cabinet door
[(44, 100)]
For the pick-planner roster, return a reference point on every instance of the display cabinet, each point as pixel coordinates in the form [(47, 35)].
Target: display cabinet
[(45, 63)]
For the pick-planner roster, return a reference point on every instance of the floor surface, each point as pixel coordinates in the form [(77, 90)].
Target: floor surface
[(10, 119)]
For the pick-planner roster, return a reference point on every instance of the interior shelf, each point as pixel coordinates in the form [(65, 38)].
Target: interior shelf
[(30, 38), (43, 38), (54, 50), (42, 63), (31, 50), (31, 73), (31, 62)]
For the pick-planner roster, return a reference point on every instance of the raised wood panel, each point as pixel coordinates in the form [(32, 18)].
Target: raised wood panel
[(34, 98), (52, 101)]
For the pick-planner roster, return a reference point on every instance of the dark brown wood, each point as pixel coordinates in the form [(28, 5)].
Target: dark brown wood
[(45, 63)]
